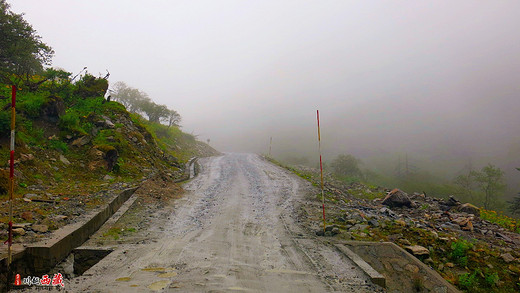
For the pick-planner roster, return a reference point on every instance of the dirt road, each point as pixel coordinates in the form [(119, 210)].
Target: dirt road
[(233, 231)]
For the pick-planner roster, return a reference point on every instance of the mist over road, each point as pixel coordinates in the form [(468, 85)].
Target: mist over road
[(234, 230)]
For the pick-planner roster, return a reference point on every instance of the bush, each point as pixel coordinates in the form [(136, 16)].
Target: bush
[(31, 103), (58, 145), (459, 251), (71, 122), (346, 165), (467, 280)]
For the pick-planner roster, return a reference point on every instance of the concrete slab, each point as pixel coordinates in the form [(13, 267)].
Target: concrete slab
[(403, 272)]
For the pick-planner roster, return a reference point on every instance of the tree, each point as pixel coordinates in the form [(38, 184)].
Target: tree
[(130, 97), (465, 184), (346, 165), (514, 207), (137, 101), (156, 113), (22, 53), (490, 180), (173, 118)]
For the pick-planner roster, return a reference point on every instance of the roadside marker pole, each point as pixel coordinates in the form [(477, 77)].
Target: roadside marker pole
[(11, 176), (321, 170), (270, 144)]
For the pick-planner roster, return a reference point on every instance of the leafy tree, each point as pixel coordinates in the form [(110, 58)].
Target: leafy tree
[(490, 180), (22, 53), (515, 203), (346, 165), (156, 113), (138, 101), (464, 183), (173, 118), (130, 97)]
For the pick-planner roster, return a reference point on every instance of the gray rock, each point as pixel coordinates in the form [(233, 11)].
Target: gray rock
[(388, 212), (81, 141), (418, 250), (108, 177), (19, 231), (358, 227), (507, 257), (21, 225), (469, 208), (40, 228), (373, 223), (30, 195), (64, 160), (397, 198)]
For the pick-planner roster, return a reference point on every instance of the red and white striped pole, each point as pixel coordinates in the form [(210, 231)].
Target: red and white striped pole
[(11, 176), (321, 170)]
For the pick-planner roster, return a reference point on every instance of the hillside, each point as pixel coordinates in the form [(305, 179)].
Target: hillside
[(474, 249), (74, 148)]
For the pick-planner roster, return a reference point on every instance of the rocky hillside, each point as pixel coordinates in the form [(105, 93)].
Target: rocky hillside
[(74, 149), (474, 249)]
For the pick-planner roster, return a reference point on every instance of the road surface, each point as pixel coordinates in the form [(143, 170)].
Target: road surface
[(234, 230)]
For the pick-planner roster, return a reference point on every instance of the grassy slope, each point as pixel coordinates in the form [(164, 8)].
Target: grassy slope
[(477, 264), (51, 164)]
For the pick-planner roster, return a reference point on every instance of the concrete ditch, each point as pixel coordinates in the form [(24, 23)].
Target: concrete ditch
[(39, 258)]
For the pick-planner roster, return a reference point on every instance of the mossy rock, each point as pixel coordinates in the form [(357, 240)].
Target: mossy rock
[(105, 148), (52, 109)]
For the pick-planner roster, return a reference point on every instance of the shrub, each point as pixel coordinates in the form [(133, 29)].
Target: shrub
[(71, 122), (59, 145), (30, 104), (468, 280), (459, 251)]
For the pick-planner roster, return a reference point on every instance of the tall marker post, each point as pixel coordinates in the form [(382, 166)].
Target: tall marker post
[(321, 170), (11, 176), (270, 144)]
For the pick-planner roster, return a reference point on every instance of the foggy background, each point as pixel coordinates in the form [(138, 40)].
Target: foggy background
[(437, 80)]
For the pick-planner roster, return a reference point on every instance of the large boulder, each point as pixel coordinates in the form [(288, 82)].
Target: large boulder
[(397, 198), (469, 208)]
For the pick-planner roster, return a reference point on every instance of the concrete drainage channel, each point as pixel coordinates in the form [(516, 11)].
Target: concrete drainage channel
[(42, 257)]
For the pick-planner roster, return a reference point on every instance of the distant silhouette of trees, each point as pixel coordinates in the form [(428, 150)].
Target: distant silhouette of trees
[(490, 180), (346, 165), (137, 101)]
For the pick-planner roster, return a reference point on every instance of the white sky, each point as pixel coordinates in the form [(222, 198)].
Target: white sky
[(387, 76)]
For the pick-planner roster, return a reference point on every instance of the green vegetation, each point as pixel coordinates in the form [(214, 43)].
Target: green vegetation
[(490, 181), (459, 250), (22, 52), (118, 232), (347, 168), (500, 219), (514, 207)]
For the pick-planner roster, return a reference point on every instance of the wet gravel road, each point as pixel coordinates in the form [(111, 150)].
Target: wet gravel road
[(234, 230)]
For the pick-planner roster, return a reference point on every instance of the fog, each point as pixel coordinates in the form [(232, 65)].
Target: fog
[(437, 80)]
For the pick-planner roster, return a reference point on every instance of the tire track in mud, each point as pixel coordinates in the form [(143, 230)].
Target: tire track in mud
[(235, 230)]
